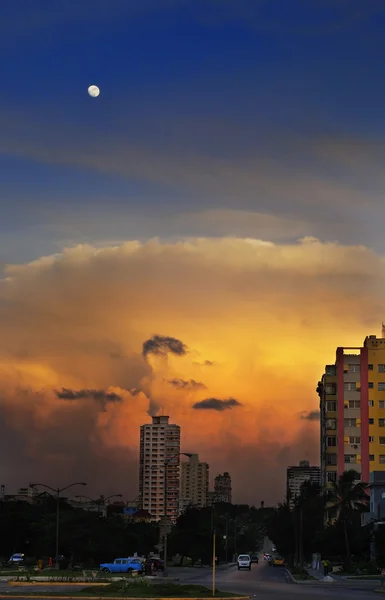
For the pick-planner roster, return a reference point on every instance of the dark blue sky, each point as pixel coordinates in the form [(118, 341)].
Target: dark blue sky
[(214, 115)]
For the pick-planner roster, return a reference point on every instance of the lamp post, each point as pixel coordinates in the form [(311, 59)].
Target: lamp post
[(165, 465), (57, 491), (102, 500)]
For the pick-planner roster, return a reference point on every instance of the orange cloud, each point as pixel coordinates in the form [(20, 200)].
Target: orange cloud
[(249, 321)]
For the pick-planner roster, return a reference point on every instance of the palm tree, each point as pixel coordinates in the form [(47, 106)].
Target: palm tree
[(348, 496)]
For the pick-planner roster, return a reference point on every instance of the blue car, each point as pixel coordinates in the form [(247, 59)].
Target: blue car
[(123, 565)]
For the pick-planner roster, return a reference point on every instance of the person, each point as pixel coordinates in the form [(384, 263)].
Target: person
[(325, 566)]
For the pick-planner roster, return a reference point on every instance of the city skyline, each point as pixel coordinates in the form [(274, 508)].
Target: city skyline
[(195, 242)]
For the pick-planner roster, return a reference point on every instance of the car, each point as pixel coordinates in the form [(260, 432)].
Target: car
[(267, 556), (123, 565), (254, 558), (16, 559), (157, 562), (244, 562), (278, 561)]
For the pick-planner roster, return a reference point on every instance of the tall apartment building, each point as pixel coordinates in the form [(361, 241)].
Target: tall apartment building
[(296, 477), (352, 407), (159, 442), (195, 482), (222, 488)]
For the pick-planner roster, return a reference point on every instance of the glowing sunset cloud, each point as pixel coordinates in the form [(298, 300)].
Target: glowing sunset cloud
[(226, 336)]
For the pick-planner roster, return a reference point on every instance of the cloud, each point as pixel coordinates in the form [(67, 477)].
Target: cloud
[(312, 415), (163, 344), (265, 313), (216, 404), (186, 384), (99, 395)]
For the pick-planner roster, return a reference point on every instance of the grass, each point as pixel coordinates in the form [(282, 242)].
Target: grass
[(370, 577), (138, 590), (301, 575), (61, 574)]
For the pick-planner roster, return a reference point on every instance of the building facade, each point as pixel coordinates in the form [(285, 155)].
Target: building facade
[(194, 482), (159, 443), (296, 477), (352, 411), (222, 488)]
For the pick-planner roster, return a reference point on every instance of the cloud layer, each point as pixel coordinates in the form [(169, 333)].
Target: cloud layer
[(216, 404), (81, 367)]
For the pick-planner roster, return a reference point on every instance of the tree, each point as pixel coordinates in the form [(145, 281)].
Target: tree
[(348, 497)]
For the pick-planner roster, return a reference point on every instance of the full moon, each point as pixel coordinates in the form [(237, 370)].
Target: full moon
[(93, 91)]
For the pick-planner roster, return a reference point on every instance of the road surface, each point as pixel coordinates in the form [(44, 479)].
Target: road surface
[(272, 583)]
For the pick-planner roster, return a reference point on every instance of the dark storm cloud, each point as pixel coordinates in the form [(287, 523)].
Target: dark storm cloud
[(66, 446), (216, 404), (99, 395), (312, 415), (187, 384), (163, 344)]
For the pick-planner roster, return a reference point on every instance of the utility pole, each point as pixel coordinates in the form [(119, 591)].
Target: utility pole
[(301, 536), (235, 537), (214, 562)]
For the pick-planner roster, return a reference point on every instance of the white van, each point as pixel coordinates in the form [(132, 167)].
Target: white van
[(244, 562)]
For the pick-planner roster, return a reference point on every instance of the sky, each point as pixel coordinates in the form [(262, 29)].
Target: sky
[(196, 241)]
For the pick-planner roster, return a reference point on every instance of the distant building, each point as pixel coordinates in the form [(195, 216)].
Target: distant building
[(184, 504), (159, 441), (222, 488), (194, 482), (296, 477), (89, 506), (352, 412)]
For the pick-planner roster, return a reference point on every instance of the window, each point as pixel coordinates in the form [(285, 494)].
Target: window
[(354, 440), (371, 457), (331, 370), (350, 386), (381, 422), (331, 388), (354, 404), (331, 406), (331, 460), (332, 476), (381, 386), (381, 459), (381, 368), (350, 458), (371, 439), (371, 421), (371, 403), (331, 424), (381, 440), (350, 422), (381, 404), (370, 385), (355, 368), (370, 367)]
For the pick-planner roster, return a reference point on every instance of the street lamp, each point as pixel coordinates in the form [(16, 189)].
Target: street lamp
[(165, 465), (56, 491)]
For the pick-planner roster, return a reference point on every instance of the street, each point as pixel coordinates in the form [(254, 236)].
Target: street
[(271, 583)]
